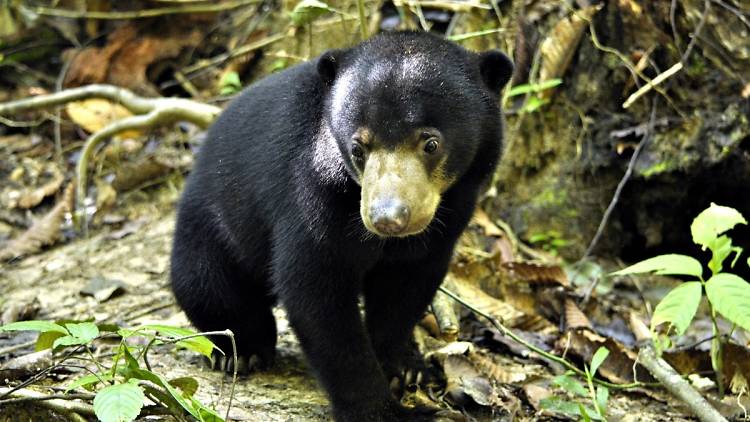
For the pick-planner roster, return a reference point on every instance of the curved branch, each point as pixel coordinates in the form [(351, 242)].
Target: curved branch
[(164, 110), (139, 14), (113, 93)]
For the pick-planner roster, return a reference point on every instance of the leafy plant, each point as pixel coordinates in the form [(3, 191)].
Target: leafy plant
[(230, 83), (126, 384), (532, 90), (551, 241), (728, 294), (596, 395)]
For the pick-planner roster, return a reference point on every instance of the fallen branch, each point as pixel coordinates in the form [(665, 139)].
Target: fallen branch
[(677, 385), (139, 14), (58, 402), (149, 112)]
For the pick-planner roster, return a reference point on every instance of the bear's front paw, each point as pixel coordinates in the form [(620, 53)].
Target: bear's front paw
[(246, 364), (413, 372)]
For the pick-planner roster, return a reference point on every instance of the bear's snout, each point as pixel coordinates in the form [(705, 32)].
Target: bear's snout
[(390, 216)]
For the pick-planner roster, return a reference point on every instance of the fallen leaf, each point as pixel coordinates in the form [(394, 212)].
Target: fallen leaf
[(45, 232), (561, 43), (31, 198), (537, 273), (95, 114)]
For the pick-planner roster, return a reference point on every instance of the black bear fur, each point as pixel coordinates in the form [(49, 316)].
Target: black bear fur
[(271, 210)]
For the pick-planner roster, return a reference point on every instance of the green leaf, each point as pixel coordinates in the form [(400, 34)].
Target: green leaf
[(143, 374), (188, 385), (42, 326), (207, 415), (720, 247), (87, 380), (570, 385), (748, 261), (80, 333), (602, 396), (200, 344), (46, 340), (307, 11), (584, 413), (556, 404), (84, 331), (533, 104), (119, 403), (596, 361), (230, 83), (712, 222), (678, 307), (730, 296), (68, 341), (671, 264), (538, 87)]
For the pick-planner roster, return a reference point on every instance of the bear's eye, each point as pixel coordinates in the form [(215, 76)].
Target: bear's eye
[(431, 145), (358, 151)]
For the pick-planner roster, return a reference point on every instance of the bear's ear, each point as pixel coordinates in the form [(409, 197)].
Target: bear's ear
[(496, 69), (328, 65)]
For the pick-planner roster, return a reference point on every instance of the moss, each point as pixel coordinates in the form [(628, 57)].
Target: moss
[(658, 168)]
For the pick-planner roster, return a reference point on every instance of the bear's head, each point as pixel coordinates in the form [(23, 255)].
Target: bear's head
[(409, 113)]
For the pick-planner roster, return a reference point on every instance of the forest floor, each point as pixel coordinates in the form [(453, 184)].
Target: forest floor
[(137, 255)]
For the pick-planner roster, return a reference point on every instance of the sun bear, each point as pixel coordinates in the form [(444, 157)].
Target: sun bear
[(349, 176)]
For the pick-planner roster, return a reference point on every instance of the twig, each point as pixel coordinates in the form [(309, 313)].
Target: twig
[(652, 84), (362, 19), (633, 70), (677, 66), (697, 33), (234, 53), (677, 385), (513, 336), (56, 402), (11, 349), (734, 11), (139, 14), (616, 197)]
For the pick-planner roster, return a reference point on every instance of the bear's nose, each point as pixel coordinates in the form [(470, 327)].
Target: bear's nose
[(389, 216)]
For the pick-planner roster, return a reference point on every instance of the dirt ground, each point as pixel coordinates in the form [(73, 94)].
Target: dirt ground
[(140, 261), (138, 257)]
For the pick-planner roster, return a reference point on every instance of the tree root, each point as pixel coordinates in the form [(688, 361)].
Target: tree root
[(148, 112), (63, 403), (676, 384)]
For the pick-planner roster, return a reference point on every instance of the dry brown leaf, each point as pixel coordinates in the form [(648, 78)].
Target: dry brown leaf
[(129, 52), (31, 198), (463, 381), (481, 219), (95, 114), (537, 273), (495, 372), (501, 310), (561, 43), (44, 232), (620, 363), (535, 393), (574, 317)]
